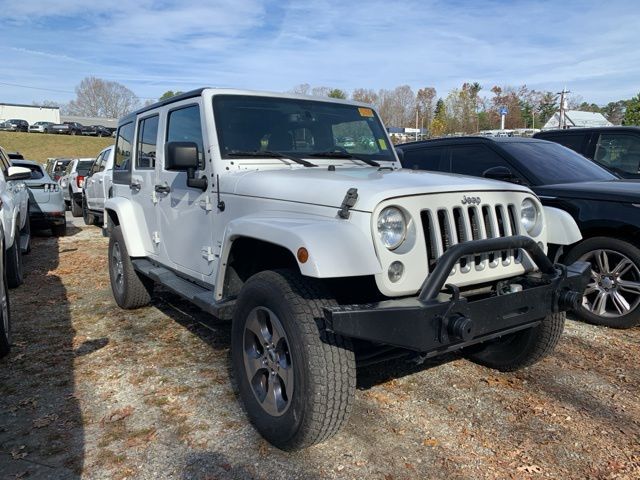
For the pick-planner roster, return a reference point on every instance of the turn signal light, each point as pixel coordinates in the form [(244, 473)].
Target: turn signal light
[(303, 255)]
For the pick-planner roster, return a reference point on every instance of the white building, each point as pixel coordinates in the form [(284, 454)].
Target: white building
[(578, 119), (30, 113)]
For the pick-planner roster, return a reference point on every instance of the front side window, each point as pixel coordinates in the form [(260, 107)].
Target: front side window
[(260, 126), (146, 144), (184, 126), (95, 168), (123, 147), (425, 159), (619, 152)]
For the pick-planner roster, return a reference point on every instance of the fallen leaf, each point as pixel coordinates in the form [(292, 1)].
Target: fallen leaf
[(430, 442), (530, 469), (17, 453)]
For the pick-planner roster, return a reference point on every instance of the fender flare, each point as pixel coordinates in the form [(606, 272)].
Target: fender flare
[(336, 248), (562, 229), (137, 242)]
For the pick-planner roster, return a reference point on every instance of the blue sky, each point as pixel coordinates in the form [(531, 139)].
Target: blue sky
[(153, 46)]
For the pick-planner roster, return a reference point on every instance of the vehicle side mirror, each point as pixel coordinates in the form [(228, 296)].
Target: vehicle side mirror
[(18, 173), (181, 157), (501, 173)]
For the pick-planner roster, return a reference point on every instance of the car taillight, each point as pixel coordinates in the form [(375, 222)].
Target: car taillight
[(80, 181)]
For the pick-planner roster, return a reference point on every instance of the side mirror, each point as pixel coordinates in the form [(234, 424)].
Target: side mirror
[(501, 173), (18, 173), (181, 157)]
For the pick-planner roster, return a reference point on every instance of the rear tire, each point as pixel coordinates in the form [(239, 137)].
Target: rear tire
[(15, 273), (130, 289), (76, 210), (521, 349), (308, 373), (5, 311)]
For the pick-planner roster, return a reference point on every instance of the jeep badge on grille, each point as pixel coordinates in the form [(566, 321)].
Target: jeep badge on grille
[(470, 200)]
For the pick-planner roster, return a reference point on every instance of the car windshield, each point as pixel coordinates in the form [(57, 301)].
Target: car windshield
[(36, 170), (551, 163), (84, 166), (302, 128)]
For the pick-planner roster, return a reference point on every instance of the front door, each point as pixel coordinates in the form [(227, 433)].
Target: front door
[(185, 214), (91, 183)]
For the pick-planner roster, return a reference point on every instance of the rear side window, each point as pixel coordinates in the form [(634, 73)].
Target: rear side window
[(123, 147), (36, 170), (474, 160), (574, 141), (184, 126), (83, 167), (425, 159), (146, 143), (619, 152)]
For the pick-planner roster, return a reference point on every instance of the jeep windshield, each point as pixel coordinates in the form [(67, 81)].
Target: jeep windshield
[(300, 128)]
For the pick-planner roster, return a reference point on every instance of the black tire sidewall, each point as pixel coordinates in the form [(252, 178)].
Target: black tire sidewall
[(632, 318), (14, 266), (117, 237), (278, 430), (5, 337), (88, 217)]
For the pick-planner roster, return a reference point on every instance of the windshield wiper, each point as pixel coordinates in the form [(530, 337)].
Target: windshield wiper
[(341, 154), (269, 154)]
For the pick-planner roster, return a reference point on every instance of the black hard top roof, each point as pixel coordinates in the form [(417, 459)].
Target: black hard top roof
[(569, 131), (470, 139)]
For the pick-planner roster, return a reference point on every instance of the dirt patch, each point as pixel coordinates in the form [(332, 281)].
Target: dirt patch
[(94, 391)]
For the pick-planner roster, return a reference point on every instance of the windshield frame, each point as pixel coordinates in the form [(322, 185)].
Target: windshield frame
[(513, 149), (377, 136)]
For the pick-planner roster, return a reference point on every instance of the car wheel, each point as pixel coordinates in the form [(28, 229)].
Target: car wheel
[(59, 230), (130, 289), (296, 379), (15, 274), (521, 349), (5, 311), (613, 296), (76, 210), (73, 132), (88, 217)]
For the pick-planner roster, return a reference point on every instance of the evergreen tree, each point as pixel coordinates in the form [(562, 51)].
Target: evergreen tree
[(632, 113)]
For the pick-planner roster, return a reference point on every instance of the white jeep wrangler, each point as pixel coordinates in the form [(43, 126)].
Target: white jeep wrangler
[(329, 254)]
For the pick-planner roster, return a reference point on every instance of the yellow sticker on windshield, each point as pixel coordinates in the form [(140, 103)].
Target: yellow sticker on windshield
[(365, 112), (382, 143)]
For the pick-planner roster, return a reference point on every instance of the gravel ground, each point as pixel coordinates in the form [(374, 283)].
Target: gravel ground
[(91, 391)]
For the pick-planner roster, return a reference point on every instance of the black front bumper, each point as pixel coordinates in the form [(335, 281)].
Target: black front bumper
[(434, 323)]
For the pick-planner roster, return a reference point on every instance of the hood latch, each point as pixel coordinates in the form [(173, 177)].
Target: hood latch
[(348, 202)]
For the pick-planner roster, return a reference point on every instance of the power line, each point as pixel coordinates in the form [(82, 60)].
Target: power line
[(58, 91)]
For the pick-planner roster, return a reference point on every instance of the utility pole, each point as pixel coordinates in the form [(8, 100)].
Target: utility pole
[(417, 124), (562, 122)]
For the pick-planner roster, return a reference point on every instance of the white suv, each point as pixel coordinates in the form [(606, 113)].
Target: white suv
[(97, 186), (326, 254), (72, 181), (14, 204)]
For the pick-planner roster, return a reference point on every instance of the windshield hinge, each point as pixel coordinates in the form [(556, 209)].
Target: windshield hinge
[(348, 202)]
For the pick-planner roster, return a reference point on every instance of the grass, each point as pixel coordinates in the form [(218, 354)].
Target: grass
[(40, 146)]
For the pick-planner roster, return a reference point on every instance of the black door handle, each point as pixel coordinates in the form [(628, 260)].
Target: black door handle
[(162, 188)]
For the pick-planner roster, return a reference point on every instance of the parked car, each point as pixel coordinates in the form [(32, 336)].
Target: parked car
[(96, 131), (46, 203), (67, 128), (72, 181), (56, 166), (614, 148), (15, 125), (97, 185), (15, 156), (326, 255), (41, 127), (15, 217), (606, 209), (5, 310)]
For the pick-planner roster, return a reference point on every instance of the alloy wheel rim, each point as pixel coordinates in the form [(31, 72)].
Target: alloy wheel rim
[(118, 269), (614, 290), (267, 361)]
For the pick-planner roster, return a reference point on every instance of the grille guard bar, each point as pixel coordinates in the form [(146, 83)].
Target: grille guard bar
[(435, 281)]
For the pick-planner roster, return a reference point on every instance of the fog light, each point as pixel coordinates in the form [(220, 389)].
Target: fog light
[(396, 269)]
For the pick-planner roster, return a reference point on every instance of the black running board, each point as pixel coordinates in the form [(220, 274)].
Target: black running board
[(200, 296)]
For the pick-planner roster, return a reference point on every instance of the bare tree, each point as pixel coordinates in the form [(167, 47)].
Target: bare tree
[(320, 91), (425, 102), (301, 89), (365, 96), (103, 98)]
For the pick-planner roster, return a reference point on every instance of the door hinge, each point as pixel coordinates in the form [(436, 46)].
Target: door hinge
[(207, 254), (206, 204), (155, 237)]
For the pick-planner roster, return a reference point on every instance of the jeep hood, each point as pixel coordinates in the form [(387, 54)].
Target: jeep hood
[(319, 186)]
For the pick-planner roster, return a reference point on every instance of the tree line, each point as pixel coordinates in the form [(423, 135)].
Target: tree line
[(466, 109)]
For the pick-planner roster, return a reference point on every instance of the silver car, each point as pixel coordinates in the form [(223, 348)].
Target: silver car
[(46, 203)]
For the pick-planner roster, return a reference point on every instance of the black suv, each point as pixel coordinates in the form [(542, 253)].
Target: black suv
[(615, 148), (606, 209), (15, 125)]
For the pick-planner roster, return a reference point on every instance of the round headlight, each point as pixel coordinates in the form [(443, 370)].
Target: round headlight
[(529, 215), (392, 227)]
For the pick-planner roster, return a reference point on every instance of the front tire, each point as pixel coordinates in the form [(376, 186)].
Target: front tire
[(76, 210), (88, 217), (612, 298), (15, 273), (521, 349), (130, 290), (296, 379), (5, 311)]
